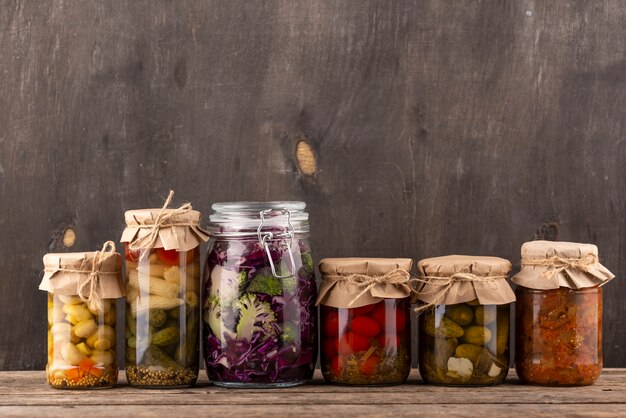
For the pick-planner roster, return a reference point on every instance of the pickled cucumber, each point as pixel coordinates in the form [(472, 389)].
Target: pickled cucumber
[(462, 314), (485, 316), (446, 327), (477, 335), (154, 356), (469, 351)]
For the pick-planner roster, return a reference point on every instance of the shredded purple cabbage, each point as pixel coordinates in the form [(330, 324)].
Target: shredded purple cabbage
[(267, 331)]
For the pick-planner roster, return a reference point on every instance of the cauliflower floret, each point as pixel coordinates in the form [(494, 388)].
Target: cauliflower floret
[(254, 316), (460, 367)]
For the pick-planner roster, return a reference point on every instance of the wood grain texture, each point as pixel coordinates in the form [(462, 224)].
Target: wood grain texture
[(23, 393), (437, 128)]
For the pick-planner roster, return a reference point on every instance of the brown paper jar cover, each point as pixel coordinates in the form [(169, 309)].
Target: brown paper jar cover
[(339, 293), (181, 231), (562, 264), (64, 272), (449, 290)]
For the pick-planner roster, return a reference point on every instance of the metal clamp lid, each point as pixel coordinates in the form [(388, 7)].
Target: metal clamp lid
[(287, 235)]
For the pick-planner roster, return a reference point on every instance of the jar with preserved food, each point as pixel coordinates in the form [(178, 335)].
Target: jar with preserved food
[(558, 334), (365, 320), (82, 289), (162, 295), (464, 320), (259, 313)]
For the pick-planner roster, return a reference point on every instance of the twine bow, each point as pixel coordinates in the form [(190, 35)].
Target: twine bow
[(88, 288), (443, 284), (161, 221), (398, 277), (557, 264)]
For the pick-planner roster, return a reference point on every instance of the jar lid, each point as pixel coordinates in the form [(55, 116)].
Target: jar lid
[(355, 282), (91, 275), (172, 229), (455, 279), (554, 264), (243, 219)]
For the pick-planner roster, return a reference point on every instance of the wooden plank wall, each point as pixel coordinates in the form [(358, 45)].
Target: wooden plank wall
[(434, 127)]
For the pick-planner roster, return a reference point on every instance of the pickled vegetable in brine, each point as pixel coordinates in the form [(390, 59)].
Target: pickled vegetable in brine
[(558, 336), (464, 344)]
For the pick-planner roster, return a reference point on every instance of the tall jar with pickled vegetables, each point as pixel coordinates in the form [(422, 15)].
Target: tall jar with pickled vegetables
[(162, 295), (82, 289), (558, 334), (259, 313), (464, 317), (365, 320)]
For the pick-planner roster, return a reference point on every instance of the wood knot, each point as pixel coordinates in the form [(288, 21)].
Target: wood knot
[(549, 231), (69, 238), (307, 164)]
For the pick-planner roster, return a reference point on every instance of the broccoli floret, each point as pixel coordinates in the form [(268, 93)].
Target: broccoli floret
[(290, 332), (254, 316), (307, 262), (265, 282)]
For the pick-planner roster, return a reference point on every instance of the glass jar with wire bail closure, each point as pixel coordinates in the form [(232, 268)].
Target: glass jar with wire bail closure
[(162, 295), (259, 313), (463, 319), (558, 328), (82, 291), (365, 320)]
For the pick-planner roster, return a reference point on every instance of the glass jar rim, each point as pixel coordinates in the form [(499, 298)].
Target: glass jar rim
[(242, 219)]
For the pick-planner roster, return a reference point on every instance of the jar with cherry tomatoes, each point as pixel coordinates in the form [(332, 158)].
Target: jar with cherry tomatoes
[(559, 314), (162, 296), (365, 320)]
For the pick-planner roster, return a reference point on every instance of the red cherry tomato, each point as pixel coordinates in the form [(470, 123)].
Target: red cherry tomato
[(353, 343), (389, 341), (379, 314), (173, 257), (368, 367), (336, 366), (330, 322), (130, 254), (363, 310), (365, 326), (330, 347)]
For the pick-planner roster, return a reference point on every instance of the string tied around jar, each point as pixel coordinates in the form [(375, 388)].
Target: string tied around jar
[(398, 277), (87, 289), (160, 221), (557, 264), (443, 284)]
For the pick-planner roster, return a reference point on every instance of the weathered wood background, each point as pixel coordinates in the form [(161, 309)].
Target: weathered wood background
[(436, 128)]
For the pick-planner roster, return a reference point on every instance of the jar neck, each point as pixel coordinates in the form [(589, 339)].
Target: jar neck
[(264, 220)]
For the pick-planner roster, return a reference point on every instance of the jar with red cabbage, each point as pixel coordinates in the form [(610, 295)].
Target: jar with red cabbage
[(259, 313)]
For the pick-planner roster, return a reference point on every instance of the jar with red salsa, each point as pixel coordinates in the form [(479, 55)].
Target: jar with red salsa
[(365, 321), (558, 339)]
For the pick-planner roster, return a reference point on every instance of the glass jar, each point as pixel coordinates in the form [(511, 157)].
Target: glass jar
[(259, 313), (464, 344), (162, 317), (558, 336), (81, 344), (82, 291), (368, 345)]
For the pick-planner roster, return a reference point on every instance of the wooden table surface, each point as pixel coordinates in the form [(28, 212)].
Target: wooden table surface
[(26, 394)]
